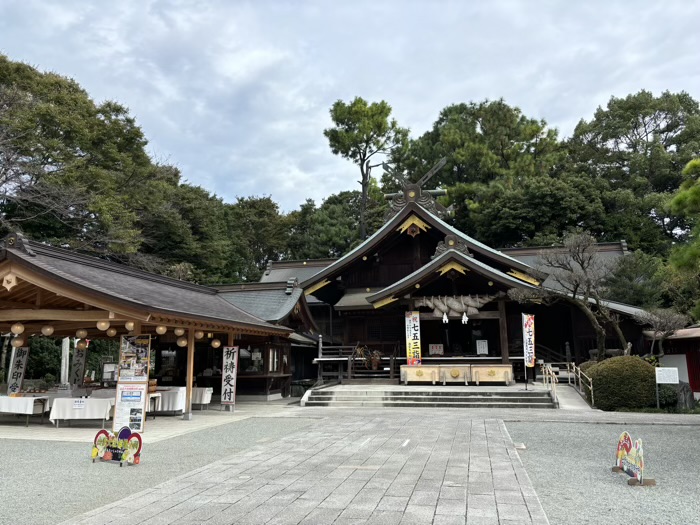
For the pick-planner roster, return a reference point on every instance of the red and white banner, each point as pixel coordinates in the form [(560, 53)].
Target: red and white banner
[(529, 339), (413, 354)]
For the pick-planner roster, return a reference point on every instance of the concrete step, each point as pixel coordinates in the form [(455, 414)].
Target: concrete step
[(432, 399), (428, 404), (442, 392)]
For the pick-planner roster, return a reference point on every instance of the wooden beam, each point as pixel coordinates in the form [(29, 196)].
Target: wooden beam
[(20, 314), (187, 414), (480, 315), (503, 325)]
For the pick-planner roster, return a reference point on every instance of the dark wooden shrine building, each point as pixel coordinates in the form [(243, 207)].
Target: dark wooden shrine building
[(418, 262)]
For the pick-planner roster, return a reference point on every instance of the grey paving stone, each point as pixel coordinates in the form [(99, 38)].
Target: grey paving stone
[(443, 519), (423, 497), (507, 511), (509, 496), (385, 517), (321, 517), (459, 493), (451, 507), (395, 503), (418, 514), (399, 490)]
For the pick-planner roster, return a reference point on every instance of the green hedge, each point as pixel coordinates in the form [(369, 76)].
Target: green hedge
[(587, 365), (623, 382)]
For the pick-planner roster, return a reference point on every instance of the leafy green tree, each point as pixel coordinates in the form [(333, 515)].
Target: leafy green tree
[(482, 142), (258, 232), (636, 279), (686, 258), (361, 131), (638, 146)]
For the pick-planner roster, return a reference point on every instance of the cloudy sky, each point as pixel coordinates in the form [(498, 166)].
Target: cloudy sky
[(237, 93)]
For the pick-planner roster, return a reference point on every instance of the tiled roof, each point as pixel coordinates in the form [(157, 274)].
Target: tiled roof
[(125, 284)]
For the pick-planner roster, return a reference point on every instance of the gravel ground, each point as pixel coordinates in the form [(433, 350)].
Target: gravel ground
[(43, 482), (569, 465)]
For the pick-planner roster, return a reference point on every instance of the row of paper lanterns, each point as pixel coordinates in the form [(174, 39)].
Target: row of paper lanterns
[(17, 330)]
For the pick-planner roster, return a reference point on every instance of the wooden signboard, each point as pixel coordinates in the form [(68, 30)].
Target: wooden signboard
[(15, 375)]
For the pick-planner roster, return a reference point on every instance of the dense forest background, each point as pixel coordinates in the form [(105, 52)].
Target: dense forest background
[(75, 173)]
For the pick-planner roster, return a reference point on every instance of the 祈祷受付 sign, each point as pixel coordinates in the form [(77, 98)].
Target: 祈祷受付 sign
[(229, 372)]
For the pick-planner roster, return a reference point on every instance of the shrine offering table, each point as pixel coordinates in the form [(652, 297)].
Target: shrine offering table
[(457, 373), (80, 408), (24, 405), (492, 374)]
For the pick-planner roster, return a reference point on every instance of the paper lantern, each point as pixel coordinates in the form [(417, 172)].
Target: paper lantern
[(129, 325), (17, 328), (47, 330), (198, 334), (102, 325), (81, 334), (160, 329), (17, 341), (81, 344), (111, 332), (181, 341), (215, 343), (179, 332)]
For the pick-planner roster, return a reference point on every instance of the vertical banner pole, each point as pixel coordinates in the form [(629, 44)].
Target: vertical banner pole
[(528, 343)]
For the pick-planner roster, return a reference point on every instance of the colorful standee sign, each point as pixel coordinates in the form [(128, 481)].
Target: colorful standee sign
[(413, 353), (629, 458), (529, 339), (229, 372), (123, 446)]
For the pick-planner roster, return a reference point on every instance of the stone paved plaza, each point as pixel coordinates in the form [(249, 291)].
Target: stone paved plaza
[(417, 470), (276, 464)]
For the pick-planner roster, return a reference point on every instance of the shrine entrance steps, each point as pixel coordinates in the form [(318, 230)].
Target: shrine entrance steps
[(399, 396)]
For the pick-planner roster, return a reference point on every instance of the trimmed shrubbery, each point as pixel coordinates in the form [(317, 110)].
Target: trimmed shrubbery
[(624, 382), (586, 366)]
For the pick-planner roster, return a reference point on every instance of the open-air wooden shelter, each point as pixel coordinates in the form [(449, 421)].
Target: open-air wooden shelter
[(51, 287)]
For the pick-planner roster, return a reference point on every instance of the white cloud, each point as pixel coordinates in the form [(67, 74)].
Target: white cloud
[(237, 94)]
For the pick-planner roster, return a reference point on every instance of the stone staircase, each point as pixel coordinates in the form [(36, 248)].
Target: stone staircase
[(442, 397)]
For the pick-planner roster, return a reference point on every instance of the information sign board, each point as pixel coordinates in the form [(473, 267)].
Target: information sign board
[(666, 376), (130, 407), (413, 350)]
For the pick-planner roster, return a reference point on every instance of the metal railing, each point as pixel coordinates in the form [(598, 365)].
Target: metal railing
[(550, 380), (581, 381)]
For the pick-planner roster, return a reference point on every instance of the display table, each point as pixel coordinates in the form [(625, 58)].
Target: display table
[(24, 405), (172, 399), (202, 396), (92, 408)]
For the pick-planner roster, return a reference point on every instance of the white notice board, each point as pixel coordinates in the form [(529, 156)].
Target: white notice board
[(666, 376)]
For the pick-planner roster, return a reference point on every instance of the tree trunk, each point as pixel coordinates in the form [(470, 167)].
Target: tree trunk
[(363, 201), (599, 330), (620, 335)]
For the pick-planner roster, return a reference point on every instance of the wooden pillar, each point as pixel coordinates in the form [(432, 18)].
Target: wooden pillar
[(503, 325), (187, 414), (230, 339)]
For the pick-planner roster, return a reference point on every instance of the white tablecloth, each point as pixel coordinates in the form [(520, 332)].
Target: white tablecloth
[(173, 399), (201, 395), (22, 405), (94, 409)]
